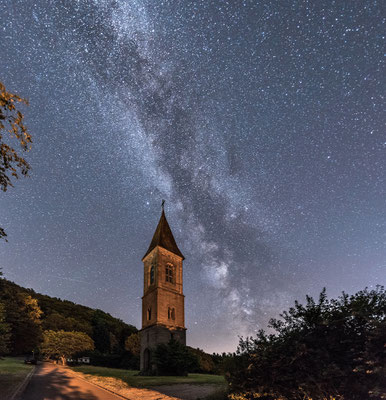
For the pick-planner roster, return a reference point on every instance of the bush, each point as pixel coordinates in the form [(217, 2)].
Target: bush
[(323, 350), (174, 359)]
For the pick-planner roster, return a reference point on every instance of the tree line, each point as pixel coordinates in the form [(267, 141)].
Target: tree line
[(28, 319), (31, 322)]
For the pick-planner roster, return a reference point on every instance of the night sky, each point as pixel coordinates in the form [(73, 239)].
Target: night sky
[(261, 123)]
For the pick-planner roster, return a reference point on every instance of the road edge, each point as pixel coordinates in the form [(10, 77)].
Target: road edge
[(20, 389)]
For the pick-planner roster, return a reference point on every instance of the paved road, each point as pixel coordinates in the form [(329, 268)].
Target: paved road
[(51, 382)]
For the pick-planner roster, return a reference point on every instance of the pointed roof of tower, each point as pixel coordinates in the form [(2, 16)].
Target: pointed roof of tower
[(163, 237)]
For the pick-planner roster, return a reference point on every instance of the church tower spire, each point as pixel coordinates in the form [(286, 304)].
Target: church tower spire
[(164, 238), (163, 299)]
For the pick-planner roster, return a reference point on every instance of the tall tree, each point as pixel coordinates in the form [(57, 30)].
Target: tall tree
[(12, 132), (23, 315), (5, 334), (101, 332), (65, 344)]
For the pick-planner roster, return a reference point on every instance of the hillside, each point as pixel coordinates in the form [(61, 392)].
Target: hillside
[(28, 313)]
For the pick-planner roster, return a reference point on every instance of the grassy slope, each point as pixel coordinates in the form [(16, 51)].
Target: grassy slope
[(131, 378), (12, 373)]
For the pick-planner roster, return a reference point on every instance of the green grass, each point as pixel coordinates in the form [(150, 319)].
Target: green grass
[(12, 373), (133, 379)]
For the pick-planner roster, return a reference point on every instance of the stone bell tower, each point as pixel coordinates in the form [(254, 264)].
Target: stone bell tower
[(163, 299)]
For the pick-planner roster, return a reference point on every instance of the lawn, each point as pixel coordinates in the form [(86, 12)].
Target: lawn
[(133, 379), (12, 373)]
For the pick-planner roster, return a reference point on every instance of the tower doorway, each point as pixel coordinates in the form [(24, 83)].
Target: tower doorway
[(146, 360)]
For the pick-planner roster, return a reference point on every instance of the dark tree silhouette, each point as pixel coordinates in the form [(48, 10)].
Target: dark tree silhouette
[(13, 132), (4, 332), (325, 349), (174, 358)]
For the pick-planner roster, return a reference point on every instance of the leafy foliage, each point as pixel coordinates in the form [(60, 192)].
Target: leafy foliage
[(205, 363), (57, 322), (23, 316), (65, 344), (101, 332), (174, 358), (323, 350), (11, 127)]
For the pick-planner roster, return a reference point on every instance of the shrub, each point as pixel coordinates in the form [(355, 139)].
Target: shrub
[(323, 350), (174, 358)]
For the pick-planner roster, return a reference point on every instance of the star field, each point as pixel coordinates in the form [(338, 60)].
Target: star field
[(262, 124)]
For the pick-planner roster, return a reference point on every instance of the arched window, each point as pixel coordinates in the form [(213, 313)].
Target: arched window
[(171, 313), (169, 273), (149, 314), (152, 275)]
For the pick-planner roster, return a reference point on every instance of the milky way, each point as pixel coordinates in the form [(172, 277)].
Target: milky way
[(262, 124)]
